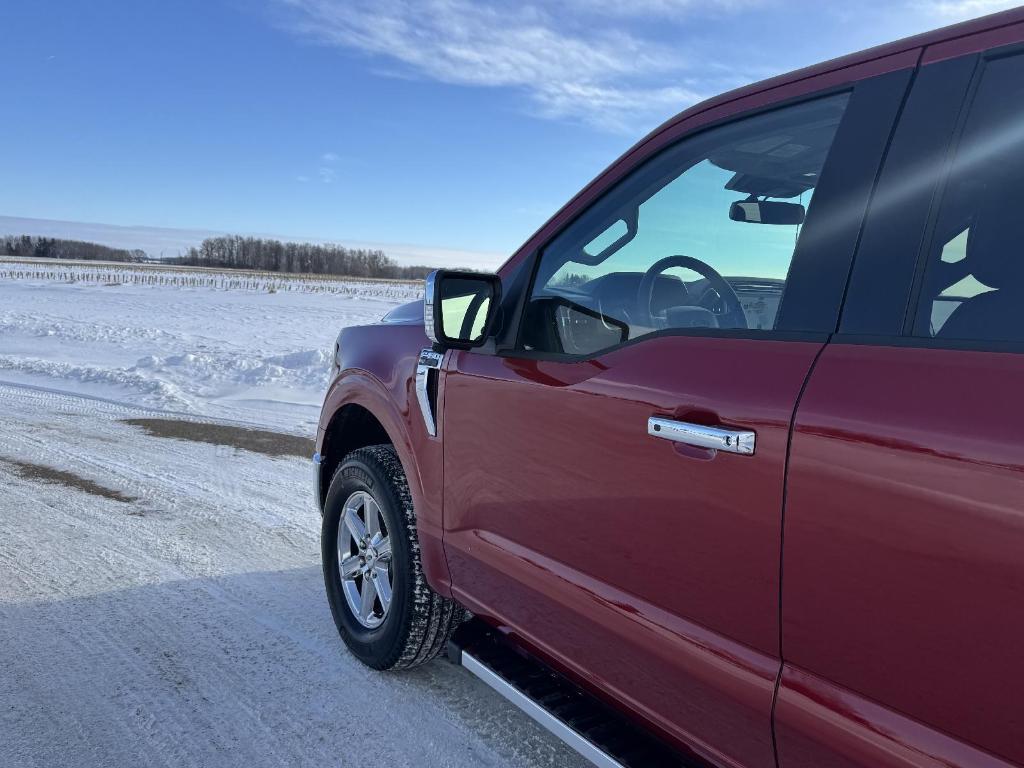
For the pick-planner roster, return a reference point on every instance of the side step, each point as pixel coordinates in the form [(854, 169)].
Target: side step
[(587, 725)]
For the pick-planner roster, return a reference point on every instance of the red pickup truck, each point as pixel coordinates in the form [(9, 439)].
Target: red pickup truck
[(725, 466)]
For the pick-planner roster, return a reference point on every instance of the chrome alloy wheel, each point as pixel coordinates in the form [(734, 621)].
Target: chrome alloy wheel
[(364, 559)]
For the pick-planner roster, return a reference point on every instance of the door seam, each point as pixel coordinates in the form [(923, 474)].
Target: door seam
[(810, 371), (782, 533)]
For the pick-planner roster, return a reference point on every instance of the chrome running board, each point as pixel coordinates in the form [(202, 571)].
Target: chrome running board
[(551, 723), (583, 723)]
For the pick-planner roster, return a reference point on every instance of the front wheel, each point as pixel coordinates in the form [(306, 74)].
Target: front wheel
[(384, 610)]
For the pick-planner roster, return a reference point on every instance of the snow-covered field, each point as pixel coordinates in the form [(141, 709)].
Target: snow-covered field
[(161, 601), (247, 347)]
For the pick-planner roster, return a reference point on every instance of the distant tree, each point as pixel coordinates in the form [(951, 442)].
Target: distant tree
[(56, 248), (229, 252), (236, 252), (571, 279)]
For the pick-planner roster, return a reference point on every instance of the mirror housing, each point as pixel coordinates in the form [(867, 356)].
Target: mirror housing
[(459, 308), (767, 212)]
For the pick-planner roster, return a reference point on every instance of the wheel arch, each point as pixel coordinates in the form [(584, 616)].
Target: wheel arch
[(352, 426), (360, 411)]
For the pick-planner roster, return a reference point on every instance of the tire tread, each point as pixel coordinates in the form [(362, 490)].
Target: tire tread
[(432, 618)]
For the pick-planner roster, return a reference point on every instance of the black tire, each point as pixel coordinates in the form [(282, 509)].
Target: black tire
[(419, 622)]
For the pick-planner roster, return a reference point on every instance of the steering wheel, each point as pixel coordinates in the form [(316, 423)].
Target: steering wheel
[(731, 316)]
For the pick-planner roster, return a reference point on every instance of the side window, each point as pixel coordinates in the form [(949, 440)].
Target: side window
[(700, 236), (973, 287)]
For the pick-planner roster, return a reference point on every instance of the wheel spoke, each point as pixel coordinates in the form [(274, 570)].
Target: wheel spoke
[(350, 567), (383, 547), (372, 516), (355, 525), (367, 597), (383, 586), (365, 559)]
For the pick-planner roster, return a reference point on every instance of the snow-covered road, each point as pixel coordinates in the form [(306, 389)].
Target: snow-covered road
[(161, 601), (188, 626)]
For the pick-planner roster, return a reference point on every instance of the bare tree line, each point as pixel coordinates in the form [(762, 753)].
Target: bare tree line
[(55, 248), (229, 252), (236, 252)]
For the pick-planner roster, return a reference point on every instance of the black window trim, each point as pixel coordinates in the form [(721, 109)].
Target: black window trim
[(740, 334), (923, 342), (509, 342)]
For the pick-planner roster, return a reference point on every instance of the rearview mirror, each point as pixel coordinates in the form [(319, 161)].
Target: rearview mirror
[(767, 212), (459, 307)]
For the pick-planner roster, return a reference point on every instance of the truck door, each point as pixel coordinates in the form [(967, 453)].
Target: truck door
[(903, 572), (614, 478)]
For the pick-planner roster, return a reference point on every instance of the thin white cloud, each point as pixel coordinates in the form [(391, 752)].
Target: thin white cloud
[(326, 171), (957, 10), (599, 73), (659, 8)]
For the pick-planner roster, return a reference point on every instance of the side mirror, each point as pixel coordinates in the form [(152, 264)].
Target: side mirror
[(459, 307), (767, 212)]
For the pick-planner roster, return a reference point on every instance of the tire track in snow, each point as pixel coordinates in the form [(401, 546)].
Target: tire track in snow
[(198, 634)]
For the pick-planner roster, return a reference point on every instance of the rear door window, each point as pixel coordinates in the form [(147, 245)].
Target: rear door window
[(973, 284)]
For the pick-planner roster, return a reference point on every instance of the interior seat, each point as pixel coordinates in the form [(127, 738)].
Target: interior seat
[(995, 258)]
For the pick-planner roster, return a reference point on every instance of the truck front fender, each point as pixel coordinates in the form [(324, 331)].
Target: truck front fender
[(372, 400)]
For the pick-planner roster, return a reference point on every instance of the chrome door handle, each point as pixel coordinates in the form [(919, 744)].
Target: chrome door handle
[(732, 440)]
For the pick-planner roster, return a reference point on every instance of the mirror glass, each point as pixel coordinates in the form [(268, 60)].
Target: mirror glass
[(465, 304), (767, 212)]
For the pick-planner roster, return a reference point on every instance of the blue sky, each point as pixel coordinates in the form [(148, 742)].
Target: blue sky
[(441, 123)]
